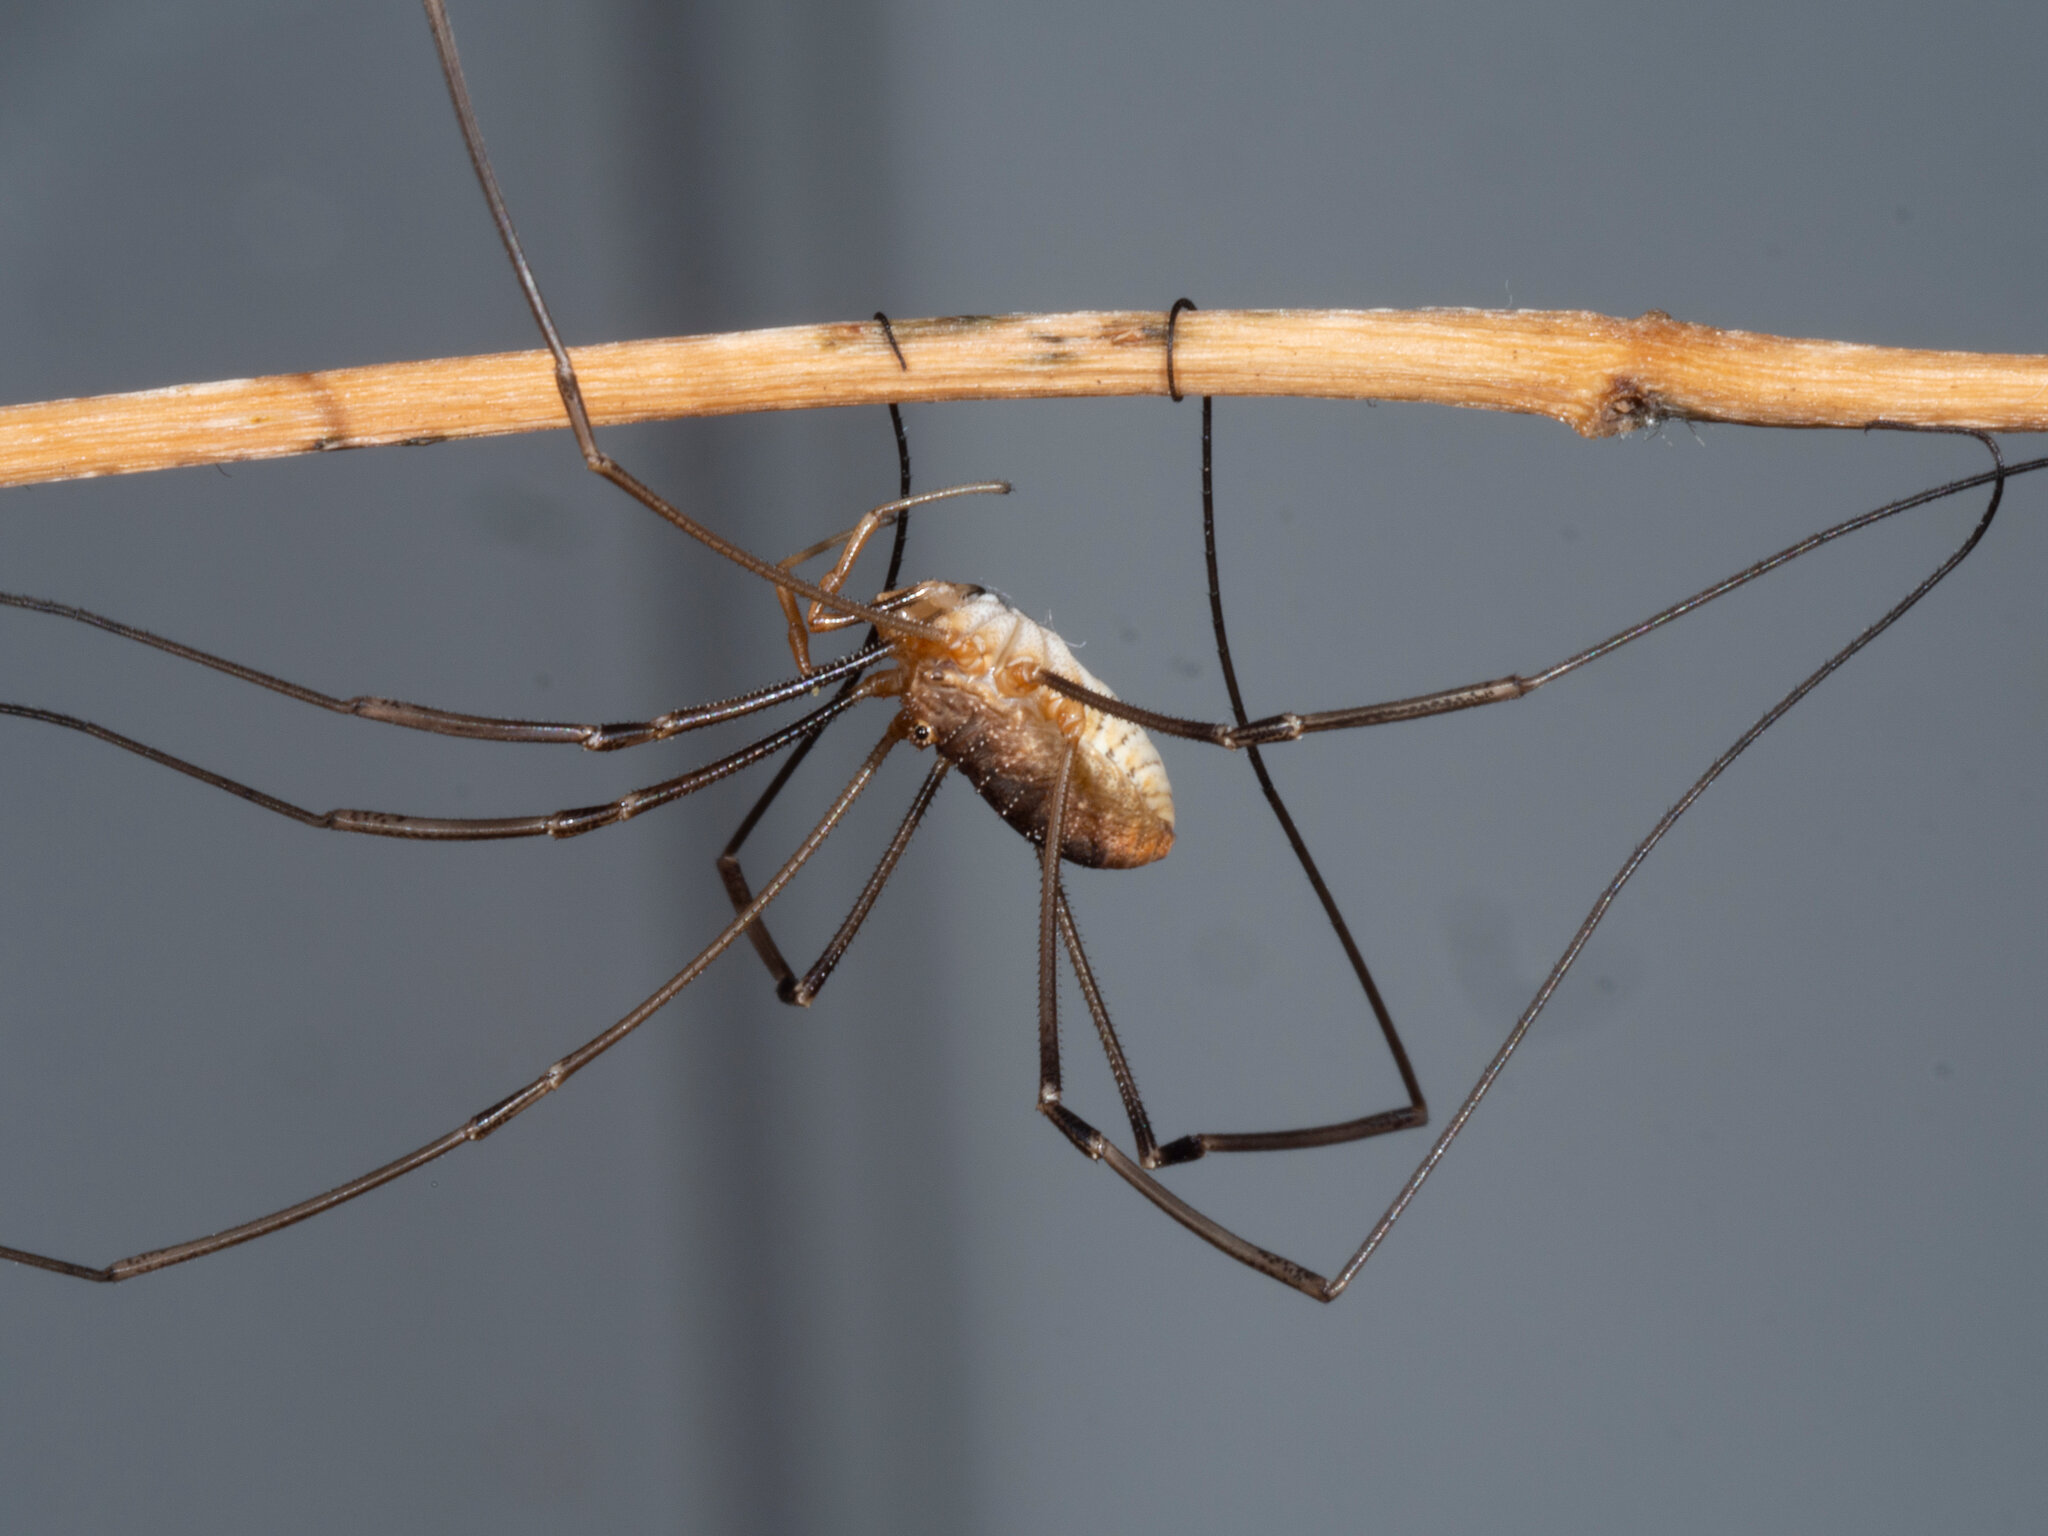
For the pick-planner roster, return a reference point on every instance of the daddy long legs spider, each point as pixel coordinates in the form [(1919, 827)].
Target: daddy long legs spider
[(1043, 741), (1459, 535)]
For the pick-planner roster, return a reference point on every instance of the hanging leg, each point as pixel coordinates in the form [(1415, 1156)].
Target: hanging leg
[(565, 823), (1642, 851), (788, 987), (1085, 1136), (1097, 1146), (1416, 1112), (567, 385), (445, 722), (484, 1122)]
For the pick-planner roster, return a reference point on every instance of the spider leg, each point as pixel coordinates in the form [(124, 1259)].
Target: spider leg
[(1096, 1146), (485, 1121), (568, 386), (800, 993), (1186, 1149), (1270, 729), (1091, 1142), (1416, 1111), (1112, 1047), (1055, 915), (564, 823), (447, 722), (1642, 851), (788, 987)]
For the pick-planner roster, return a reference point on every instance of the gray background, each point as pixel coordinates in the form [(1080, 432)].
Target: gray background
[(1749, 1239)]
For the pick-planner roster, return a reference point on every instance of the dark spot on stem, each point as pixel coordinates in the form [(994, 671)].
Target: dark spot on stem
[(1628, 406)]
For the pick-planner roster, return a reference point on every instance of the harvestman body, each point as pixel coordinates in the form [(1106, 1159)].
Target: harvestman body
[(974, 689), (1057, 755), (976, 697)]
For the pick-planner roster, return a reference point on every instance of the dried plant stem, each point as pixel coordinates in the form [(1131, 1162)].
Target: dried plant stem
[(1596, 374)]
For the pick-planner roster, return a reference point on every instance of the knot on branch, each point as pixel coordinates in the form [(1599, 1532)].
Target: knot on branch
[(1628, 405)]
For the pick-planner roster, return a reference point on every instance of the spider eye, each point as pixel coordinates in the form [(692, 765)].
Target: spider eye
[(921, 734)]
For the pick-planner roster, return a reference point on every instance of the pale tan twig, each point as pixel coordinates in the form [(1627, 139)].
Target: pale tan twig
[(1596, 374)]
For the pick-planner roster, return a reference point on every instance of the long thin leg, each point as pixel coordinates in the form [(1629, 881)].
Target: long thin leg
[(1188, 1148), (1291, 727), (1083, 1135), (484, 1122), (787, 987), (599, 462), (1099, 1147), (1112, 1048), (1642, 851), (1416, 1112), (444, 722), (567, 823)]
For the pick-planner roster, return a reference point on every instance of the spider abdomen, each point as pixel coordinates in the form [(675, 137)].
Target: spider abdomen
[(977, 700)]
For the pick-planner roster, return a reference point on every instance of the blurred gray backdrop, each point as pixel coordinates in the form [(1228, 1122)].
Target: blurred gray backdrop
[(1750, 1238)]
